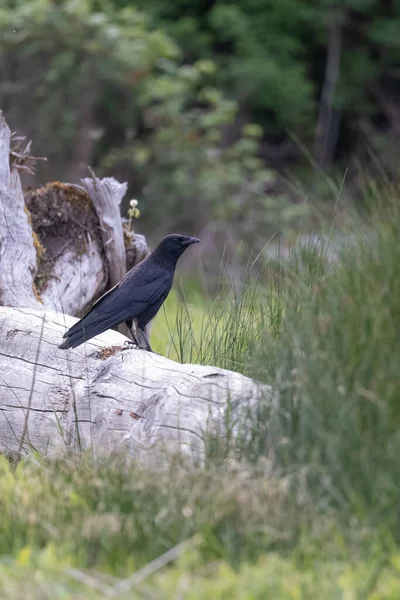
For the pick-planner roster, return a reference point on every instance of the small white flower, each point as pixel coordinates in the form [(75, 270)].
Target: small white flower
[(133, 203), (187, 512)]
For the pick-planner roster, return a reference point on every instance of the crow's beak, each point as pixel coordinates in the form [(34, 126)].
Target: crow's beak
[(189, 241)]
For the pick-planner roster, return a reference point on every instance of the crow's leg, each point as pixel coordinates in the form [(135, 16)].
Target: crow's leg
[(143, 336), (129, 343), (135, 342)]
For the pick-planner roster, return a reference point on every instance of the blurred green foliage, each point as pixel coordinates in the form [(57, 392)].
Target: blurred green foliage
[(62, 60), (196, 103), (188, 177), (89, 81), (271, 55), (258, 48)]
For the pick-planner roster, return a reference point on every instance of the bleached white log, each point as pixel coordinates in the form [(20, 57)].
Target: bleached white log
[(133, 402), (17, 252)]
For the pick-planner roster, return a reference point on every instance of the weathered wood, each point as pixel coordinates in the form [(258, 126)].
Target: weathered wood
[(106, 195), (136, 248), (109, 400), (77, 279), (17, 252)]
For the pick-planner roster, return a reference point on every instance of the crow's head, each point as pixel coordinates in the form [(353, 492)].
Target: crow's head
[(172, 246)]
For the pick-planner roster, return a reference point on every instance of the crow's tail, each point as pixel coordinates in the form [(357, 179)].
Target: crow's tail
[(91, 325), (81, 332), (74, 338)]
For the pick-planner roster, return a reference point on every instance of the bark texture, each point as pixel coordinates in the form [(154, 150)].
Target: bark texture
[(18, 263)]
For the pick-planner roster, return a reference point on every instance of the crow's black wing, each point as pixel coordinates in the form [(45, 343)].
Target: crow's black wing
[(137, 291)]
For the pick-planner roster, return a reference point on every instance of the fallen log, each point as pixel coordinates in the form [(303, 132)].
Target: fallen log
[(108, 399)]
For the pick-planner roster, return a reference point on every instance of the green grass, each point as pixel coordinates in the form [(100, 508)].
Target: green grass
[(270, 578), (305, 506), (247, 536), (328, 339), (224, 331)]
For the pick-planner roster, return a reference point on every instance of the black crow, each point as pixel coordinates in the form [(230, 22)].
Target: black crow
[(136, 298)]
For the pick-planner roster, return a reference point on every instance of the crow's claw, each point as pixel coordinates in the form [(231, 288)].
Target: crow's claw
[(128, 343)]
